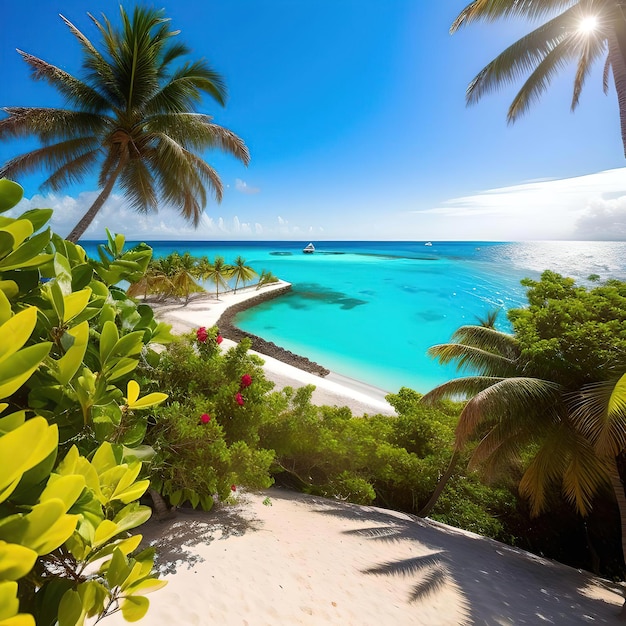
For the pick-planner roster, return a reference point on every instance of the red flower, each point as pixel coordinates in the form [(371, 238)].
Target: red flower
[(201, 334), (233, 487), (205, 418), (219, 339), (246, 381), (239, 399)]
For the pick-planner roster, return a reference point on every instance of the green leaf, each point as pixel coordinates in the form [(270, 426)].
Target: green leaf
[(118, 569), (14, 333), (28, 254), (37, 217), (134, 608), (18, 368), (121, 368), (15, 560), (24, 448), (9, 604), (19, 230), (81, 276), (71, 611), (5, 305), (65, 488), (10, 194), (108, 338), (9, 288), (71, 361), (75, 303), (132, 515), (147, 585)]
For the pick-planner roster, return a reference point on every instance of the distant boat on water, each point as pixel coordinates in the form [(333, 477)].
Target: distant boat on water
[(428, 243), (310, 249)]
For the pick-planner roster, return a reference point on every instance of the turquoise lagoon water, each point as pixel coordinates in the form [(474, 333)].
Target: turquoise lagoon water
[(370, 310)]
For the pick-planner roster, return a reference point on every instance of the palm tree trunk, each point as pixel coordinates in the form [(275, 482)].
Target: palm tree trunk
[(443, 481), (617, 57), (85, 221), (620, 496)]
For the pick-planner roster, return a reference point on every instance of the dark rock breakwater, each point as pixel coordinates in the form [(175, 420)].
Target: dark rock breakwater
[(230, 331)]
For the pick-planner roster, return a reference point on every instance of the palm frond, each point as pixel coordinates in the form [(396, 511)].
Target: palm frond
[(585, 475), (491, 10), (184, 89), (605, 74), (501, 446), (139, 186), (73, 171), (546, 468), (469, 358), (599, 414), (521, 58), (50, 125), (50, 157), (593, 46), (489, 339), (539, 81), (75, 91), (195, 131), (507, 396)]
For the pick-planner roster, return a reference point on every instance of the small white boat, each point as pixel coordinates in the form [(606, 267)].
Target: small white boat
[(428, 243), (310, 249)]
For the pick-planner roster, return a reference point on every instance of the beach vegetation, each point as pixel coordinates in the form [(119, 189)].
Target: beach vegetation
[(241, 272), (72, 421), (546, 403), (130, 117), (218, 272), (578, 31)]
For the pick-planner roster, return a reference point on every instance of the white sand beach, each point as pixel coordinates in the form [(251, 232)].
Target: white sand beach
[(305, 560), (333, 390)]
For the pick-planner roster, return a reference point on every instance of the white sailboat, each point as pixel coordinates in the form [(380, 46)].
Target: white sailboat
[(310, 249)]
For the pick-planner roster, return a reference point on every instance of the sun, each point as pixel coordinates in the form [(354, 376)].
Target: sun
[(588, 24)]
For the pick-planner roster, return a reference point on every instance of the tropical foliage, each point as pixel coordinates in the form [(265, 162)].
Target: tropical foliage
[(579, 31), (130, 118), (72, 426), (548, 398), (179, 276)]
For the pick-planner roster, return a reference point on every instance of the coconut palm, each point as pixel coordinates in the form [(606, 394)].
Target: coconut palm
[(218, 273), (266, 278), (510, 409), (580, 31), (242, 272), (130, 118)]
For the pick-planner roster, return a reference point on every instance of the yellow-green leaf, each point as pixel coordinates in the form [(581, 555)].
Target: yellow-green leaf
[(104, 458), (147, 585), (9, 288), (14, 333), (19, 230), (75, 303), (132, 392), (9, 604), (15, 560), (5, 305), (151, 399), (134, 608), (48, 526), (108, 339), (17, 368), (65, 488)]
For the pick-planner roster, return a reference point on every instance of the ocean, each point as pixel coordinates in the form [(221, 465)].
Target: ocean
[(370, 310)]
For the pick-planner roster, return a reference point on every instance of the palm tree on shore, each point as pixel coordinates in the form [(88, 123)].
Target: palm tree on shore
[(584, 31), (131, 117), (576, 435), (218, 273), (242, 272)]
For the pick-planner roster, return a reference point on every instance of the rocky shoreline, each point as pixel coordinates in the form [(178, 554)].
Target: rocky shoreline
[(230, 331)]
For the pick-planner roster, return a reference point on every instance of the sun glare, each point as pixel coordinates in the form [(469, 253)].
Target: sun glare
[(588, 24)]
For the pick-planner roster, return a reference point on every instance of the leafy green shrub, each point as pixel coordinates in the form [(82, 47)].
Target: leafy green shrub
[(69, 342)]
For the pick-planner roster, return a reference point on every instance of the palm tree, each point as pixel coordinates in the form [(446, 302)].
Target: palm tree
[(583, 31), (131, 117), (510, 408), (266, 278), (218, 273), (242, 272)]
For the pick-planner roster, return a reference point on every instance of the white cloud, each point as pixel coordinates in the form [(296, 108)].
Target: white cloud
[(243, 187), (569, 208)]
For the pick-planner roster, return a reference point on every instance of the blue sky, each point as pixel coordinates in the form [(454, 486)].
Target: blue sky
[(355, 117)]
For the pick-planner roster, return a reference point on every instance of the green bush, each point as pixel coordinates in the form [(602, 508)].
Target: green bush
[(71, 428)]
